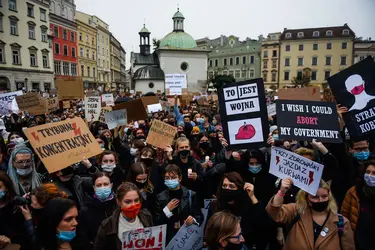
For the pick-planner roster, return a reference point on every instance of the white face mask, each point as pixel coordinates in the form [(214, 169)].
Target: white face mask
[(108, 167), (133, 151), (18, 140)]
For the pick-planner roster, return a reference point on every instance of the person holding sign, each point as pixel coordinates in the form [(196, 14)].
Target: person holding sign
[(329, 229)]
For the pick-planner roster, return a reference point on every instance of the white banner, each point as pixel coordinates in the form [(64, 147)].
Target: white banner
[(108, 99), (271, 109), (306, 174), (175, 83), (145, 238), (154, 108), (8, 104), (116, 118), (92, 108)]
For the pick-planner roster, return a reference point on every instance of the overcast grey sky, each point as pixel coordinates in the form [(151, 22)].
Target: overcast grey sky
[(243, 18)]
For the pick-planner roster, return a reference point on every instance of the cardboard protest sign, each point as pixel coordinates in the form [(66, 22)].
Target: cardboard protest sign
[(148, 100), (306, 174), (271, 109), (174, 83), (152, 238), (135, 110), (39, 109), (61, 144), (52, 104), (161, 134), (92, 108), (154, 108), (108, 99), (116, 118), (354, 88), (66, 104), (28, 100), (306, 120), (306, 93), (70, 88), (244, 108), (8, 103)]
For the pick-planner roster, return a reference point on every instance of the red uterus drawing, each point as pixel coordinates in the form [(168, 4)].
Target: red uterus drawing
[(245, 132)]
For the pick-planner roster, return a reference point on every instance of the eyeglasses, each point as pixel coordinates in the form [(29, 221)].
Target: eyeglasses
[(238, 237), (361, 149), (23, 162)]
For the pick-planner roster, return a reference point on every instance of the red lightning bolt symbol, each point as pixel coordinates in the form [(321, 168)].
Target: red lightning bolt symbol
[(35, 135), (311, 176), (77, 131), (314, 90), (277, 159)]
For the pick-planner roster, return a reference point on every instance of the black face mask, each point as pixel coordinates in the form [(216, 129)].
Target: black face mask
[(37, 212), (227, 195), (204, 145), (147, 161), (319, 206), (171, 123), (232, 246), (140, 185), (140, 138), (184, 153)]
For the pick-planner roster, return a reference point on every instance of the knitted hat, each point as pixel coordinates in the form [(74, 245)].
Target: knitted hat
[(273, 128), (195, 129), (181, 123)]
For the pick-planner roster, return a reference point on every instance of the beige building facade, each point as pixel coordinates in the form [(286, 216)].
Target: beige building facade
[(116, 63), (271, 60), (320, 51)]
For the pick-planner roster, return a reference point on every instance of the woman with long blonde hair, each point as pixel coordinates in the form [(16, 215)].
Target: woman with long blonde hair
[(313, 220)]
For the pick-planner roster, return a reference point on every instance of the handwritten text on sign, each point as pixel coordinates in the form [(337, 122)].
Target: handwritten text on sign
[(306, 174), (115, 118), (65, 142), (92, 108), (161, 134), (145, 238), (8, 102)]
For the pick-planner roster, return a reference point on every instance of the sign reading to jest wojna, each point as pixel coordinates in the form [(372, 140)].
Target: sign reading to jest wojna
[(61, 144)]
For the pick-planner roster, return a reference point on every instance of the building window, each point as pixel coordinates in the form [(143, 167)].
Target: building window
[(237, 60), (82, 70), (44, 34), (231, 61), (56, 31), (87, 38), (1, 22), (315, 46), (35, 86), (265, 64), (274, 64), (87, 53), (16, 56), (329, 33), (343, 60), (231, 72), (344, 45), (287, 62), (265, 54), (286, 75), (288, 35), (65, 34), (72, 36), (45, 61), (43, 16), (244, 60), (65, 50), (47, 86), (30, 10), (274, 53), (273, 76), (93, 55), (300, 61), (300, 47), (314, 61), (210, 63), (345, 32), (184, 66), (65, 68), (13, 5), (211, 74), (216, 62), (299, 74), (88, 71), (313, 75), (81, 52), (264, 76), (80, 36), (329, 45), (243, 73), (93, 72), (13, 27), (252, 73), (252, 59), (327, 74), (287, 47), (33, 61), (361, 58), (328, 60), (225, 62), (2, 55), (57, 66), (93, 41), (31, 31), (73, 52), (237, 73), (300, 34), (315, 33), (57, 48)]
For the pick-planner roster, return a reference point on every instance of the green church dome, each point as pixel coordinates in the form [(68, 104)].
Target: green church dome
[(144, 29), (178, 14), (178, 40)]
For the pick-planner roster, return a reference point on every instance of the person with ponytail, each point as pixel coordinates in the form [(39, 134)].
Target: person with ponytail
[(129, 216)]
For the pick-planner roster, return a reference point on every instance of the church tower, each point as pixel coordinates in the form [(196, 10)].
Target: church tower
[(144, 44), (178, 21)]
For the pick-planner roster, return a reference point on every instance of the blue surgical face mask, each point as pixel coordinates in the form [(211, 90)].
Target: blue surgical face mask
[(2, 194), (275, 137), (214, 122), (200, 120), (103, 192), (100, 132), (171, 184), (361, 156), (24, 171), (370, 180), (66, 235), (255, 169)]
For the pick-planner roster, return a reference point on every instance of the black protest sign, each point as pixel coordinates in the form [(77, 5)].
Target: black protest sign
[(354, 88), (307, 120), (244, 114)]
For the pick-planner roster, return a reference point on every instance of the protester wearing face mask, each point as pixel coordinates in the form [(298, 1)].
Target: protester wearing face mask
[(138, 145), (99, 207), (140, 134), (204, 124), (238, 198), (21, 170), (176, 205), (59, 226), (223, 232), (16, 138), (204, 153), (329, 230), (108, 164), (359, 207), (129, 216)]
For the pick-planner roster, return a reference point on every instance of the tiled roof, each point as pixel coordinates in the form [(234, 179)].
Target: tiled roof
[(309, 33)]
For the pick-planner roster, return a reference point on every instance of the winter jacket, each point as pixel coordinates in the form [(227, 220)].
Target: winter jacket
[(301, 235), (107, 237), (350, 207)]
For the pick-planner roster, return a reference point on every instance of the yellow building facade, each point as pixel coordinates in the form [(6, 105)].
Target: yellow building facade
[(87, 61), (322, 52), (270, 60)]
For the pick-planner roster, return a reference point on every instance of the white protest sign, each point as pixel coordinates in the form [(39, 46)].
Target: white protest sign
[(108, 99), (306, 174), (154, 108), (271, 109), (175, 83), (8, 103), (92, 108), (116, 118), (145, 238)]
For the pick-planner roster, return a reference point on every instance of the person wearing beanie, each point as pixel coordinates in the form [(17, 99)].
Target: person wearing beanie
[(195, 130), (274, 132)]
